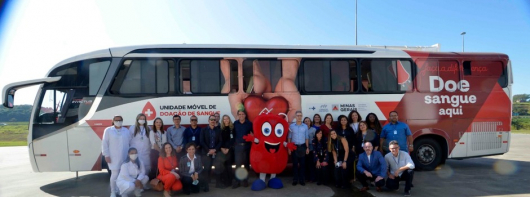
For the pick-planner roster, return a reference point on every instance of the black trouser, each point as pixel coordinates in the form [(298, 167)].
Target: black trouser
[(407, 176), (341, 176), (241, 155), (321, 174), (363, 179), (298, 164), (208, 161), (310, 162), (187, 187), (223, 165), (351, 166)]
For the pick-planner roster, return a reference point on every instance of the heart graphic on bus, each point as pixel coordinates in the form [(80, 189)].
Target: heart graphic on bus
[(149, 111), (255, 104)]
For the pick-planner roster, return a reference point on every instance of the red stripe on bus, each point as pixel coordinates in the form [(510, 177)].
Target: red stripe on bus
[(505, 142), (97, 165)]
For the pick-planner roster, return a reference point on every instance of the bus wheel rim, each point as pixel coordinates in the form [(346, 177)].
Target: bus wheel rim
[(426, 154)]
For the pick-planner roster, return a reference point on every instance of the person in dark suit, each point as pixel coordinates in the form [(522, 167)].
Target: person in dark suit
[(372, 167), (190, 170), (211, 141)]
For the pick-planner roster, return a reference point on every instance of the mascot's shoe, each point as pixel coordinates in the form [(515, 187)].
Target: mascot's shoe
[(275, 183), (258, 185)]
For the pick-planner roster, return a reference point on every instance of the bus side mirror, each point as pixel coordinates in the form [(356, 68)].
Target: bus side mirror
[(10, 99)]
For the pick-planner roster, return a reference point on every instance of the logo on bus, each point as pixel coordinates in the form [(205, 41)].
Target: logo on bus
[(437, 84), (149, 111)]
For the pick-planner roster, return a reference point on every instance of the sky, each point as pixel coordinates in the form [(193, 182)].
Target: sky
[(35, 35)]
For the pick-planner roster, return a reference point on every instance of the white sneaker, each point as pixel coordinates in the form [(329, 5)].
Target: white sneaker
[(138, 192), (147, 187)]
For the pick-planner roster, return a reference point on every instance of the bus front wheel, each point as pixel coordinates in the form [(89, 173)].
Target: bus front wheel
[(427, 154)]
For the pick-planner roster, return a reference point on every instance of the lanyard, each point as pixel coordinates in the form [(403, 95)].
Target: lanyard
[(397, 162), (194, 131), (142, 132)]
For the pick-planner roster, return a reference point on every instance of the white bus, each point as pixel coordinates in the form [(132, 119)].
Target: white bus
[(457, 105)]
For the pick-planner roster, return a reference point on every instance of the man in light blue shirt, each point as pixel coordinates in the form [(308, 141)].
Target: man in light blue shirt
[(175, 135), (400, 168), (299, 135), (399, 131)]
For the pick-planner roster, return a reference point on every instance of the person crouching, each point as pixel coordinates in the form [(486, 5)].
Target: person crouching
[(132, 176)]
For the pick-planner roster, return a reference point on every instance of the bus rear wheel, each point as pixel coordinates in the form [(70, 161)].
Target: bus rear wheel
[(427, 154)]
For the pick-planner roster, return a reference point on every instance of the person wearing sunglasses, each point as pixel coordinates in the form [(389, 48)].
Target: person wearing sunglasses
[(211, 141), (193, 134)]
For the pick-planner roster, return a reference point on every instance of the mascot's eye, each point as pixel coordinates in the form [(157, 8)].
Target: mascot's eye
[(279, 130), (266, 129)]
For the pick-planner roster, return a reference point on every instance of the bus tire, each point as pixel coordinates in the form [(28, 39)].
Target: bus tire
[(427, 154)]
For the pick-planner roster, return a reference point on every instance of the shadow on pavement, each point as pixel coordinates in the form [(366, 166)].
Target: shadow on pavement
[(97, 184), (470, 177)]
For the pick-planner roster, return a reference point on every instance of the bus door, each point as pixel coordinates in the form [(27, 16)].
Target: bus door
[(50, 146)]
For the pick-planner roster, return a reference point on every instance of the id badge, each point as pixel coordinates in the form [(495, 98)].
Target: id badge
[(231, 136), (395, 132), (193, 138), (189, 164)]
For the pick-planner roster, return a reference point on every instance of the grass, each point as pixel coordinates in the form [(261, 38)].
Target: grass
[(521, 131), (13, 143), (14, 134)]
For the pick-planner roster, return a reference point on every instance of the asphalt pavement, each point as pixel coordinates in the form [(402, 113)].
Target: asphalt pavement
[(504, 175)]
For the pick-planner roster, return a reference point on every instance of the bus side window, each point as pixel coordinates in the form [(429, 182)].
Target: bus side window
[(261, 76), (482, 75), (386, 75), (202, 76), (353, 76), (185, 76), (143, 77), (327, 76), (233, 75)]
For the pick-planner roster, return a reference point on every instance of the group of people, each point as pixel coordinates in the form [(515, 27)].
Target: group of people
[(182, 158), (352, 150)]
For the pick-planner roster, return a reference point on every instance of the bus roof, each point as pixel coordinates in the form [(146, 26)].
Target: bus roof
[(236, 50)]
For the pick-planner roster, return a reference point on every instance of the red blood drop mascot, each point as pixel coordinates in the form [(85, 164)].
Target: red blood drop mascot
[(268, 154)]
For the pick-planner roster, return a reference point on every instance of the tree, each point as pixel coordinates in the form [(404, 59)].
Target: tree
[(521, 123), (521, 98), (521, 109)]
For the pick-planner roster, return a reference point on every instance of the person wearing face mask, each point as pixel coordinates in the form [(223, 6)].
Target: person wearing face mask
[(140, 140), (114, 146), (132, 175)]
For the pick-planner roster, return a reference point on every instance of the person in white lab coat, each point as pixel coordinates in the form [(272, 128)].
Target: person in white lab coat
[(132, 176), (114, 148), (140, 140)]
